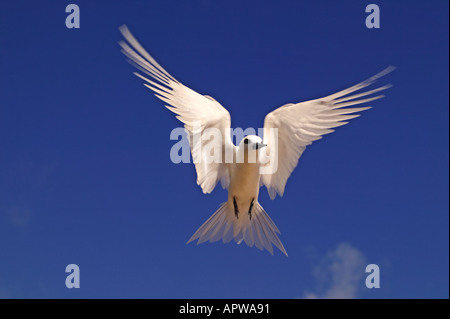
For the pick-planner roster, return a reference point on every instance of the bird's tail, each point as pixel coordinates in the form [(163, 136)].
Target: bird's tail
[(256, 229)]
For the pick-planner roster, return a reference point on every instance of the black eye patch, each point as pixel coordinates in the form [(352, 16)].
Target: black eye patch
[(246, 141)]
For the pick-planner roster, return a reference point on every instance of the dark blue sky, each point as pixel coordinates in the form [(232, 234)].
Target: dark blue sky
[(86, 178)]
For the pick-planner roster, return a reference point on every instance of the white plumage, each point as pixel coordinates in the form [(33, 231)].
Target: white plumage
[(241, 217)]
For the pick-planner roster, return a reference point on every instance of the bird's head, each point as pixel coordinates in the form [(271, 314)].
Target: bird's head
[(251, 143)]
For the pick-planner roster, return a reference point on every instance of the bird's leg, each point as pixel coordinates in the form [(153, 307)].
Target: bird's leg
[(236, 209), (250, 209)]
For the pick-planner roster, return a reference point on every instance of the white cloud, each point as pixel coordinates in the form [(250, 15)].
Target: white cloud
[(340, 274)]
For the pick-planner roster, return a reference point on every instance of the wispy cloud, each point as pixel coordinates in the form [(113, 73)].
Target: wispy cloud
[(340, 274), (18, 215)]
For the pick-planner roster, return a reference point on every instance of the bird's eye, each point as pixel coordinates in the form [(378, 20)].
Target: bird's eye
[(246, 141)]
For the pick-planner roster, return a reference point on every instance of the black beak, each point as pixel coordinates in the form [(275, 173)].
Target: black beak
[(260, 145)]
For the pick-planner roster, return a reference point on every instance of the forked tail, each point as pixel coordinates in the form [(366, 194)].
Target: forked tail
[(256, 229)]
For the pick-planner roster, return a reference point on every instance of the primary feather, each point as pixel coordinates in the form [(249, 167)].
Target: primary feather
[(190, 107), (303, 123)]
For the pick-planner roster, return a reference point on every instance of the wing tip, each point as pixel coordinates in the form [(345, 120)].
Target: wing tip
[(385, 71), (390, 68)]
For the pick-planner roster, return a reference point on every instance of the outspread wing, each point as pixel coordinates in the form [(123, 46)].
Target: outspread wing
[(197, 112), (302, 123)]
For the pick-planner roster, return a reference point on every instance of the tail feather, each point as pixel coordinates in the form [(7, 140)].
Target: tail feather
[(259, 230)]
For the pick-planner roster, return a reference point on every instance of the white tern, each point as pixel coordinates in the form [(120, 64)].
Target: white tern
[(241, 217)]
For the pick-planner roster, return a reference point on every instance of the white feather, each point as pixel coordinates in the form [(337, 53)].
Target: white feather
[(302, 123), (189, 106)]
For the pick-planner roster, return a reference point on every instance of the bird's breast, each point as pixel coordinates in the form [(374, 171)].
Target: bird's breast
[(244, 182)]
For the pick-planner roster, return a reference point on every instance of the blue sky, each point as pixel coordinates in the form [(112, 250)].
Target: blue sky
[(86, 177)]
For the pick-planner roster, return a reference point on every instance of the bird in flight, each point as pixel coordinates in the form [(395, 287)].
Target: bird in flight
[(241, 217)]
